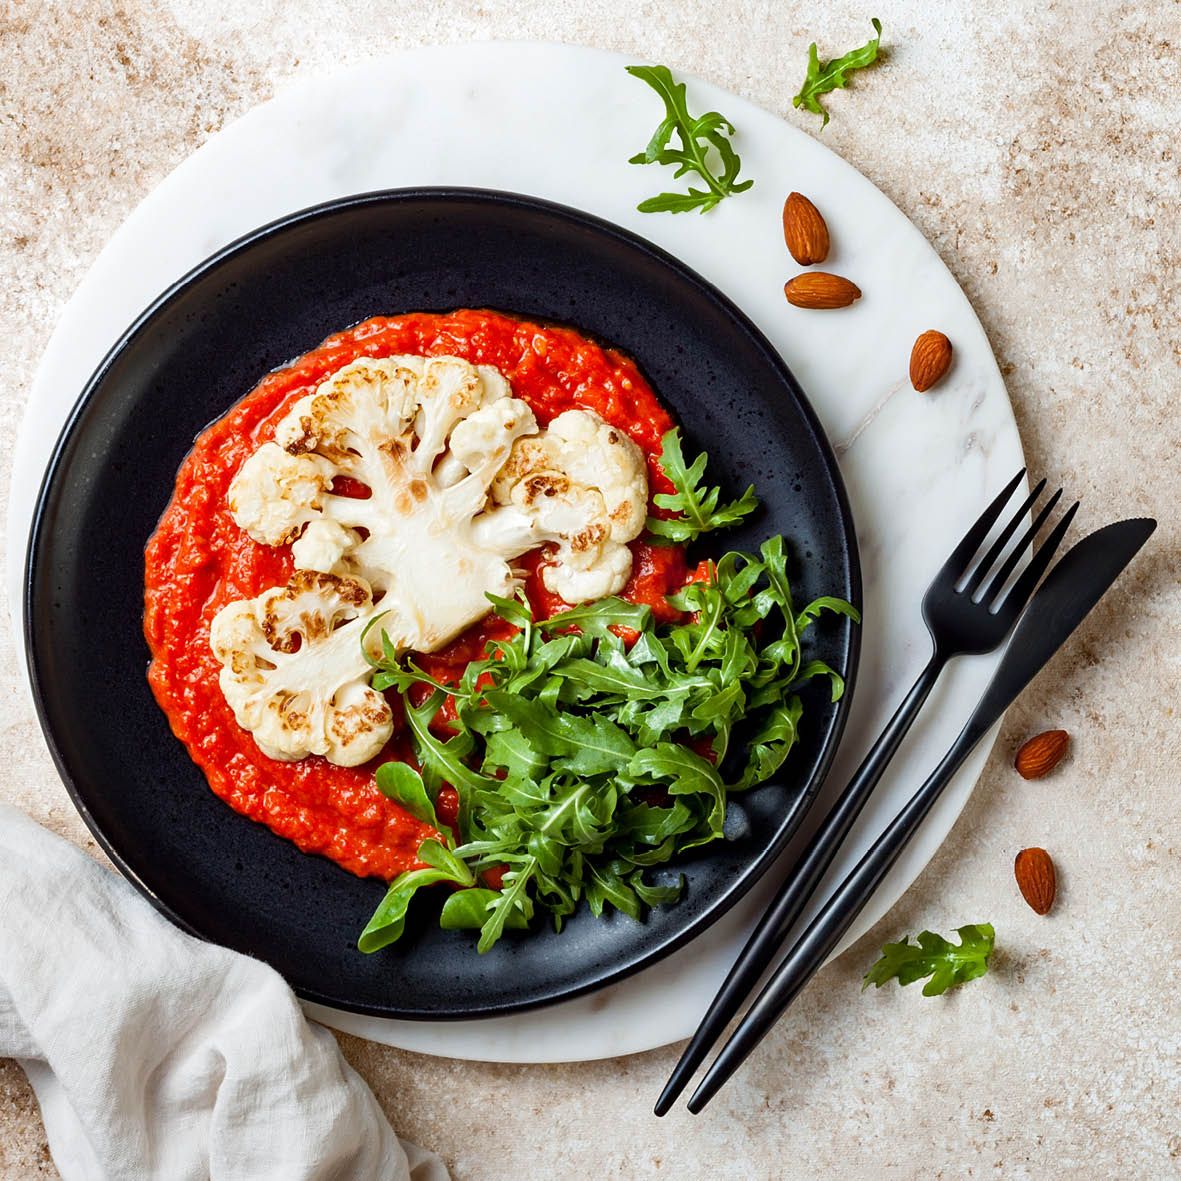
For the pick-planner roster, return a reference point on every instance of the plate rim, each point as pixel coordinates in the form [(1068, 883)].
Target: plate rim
[(795, 817)]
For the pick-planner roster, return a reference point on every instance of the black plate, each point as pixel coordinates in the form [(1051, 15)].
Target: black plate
[(263, 300)]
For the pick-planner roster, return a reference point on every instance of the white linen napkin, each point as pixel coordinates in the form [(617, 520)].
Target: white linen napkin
[(155, 1055)]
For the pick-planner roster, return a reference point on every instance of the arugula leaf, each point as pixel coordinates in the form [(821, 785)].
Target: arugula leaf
[(658, 895), (607, 885), (817, 668), (653, 825), (514, 610), (389, 920), (515, 754), (823, 77), (623, 682), (771, 743), (704, 143), (584, 745), (439, 857), (445, 760), (686, 773), (826, 603), (466, 909), (597, 618), (932, 955), (510, 907), (696, 507)]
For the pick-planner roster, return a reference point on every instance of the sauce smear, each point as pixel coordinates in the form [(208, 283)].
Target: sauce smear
[(198, 560)]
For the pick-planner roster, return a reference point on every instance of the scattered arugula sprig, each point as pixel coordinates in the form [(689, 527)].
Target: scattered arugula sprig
[(704, 145), (932, 955), (695, 507), (590, 749), (824, 77)]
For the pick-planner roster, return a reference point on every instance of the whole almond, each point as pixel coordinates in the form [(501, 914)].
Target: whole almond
[(1041, 754), (930, 359), (804, 230), (1036, 880), (819, 289)]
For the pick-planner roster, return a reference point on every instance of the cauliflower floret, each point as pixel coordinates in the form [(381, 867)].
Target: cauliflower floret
[(290, 670), (366, 402), (459, 482), (278, 493), (598, 455), (582, 485), (323, 546)]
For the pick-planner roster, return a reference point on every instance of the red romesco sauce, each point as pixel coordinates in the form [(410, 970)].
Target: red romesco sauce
[(198, 560)]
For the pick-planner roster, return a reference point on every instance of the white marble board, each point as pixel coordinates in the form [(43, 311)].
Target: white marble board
[(560, 122)]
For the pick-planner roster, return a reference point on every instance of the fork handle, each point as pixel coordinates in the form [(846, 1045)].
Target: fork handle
[(815, 945), (798, 886)]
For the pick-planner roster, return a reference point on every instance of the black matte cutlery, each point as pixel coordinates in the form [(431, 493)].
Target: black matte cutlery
[(964, 614), (1060, 604)]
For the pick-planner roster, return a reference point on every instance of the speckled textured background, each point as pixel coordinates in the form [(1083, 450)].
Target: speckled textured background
[(1035, 144)]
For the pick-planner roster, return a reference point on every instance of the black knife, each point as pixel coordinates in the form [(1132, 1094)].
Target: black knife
[(1061, 603)]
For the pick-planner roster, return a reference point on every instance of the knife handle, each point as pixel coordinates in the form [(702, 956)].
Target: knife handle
[(815, 945), (798, 887)]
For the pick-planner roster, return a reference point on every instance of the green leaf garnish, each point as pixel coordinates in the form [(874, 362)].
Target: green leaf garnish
[(403, 784), (703, 147), (596, 618), (932, 955), (439, 857), (823, 77), (583, 761), (389, 919), (695, 505), (467, 910)]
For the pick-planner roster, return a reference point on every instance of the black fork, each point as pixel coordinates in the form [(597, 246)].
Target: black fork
[(963, 619)]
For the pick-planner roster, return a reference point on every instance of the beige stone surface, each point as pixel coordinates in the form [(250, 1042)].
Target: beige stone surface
[(1036, 146)]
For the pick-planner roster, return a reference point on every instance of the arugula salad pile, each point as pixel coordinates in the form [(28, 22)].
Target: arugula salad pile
[(593, 747)]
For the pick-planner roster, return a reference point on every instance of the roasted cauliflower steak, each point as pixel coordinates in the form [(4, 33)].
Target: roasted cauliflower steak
[(456, 480)]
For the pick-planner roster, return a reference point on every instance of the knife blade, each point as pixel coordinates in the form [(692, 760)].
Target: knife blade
[(1064, 599)]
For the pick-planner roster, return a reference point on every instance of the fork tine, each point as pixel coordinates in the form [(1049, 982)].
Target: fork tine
[(997, 584), (998, 547), (957, 563), (1019, 595)]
